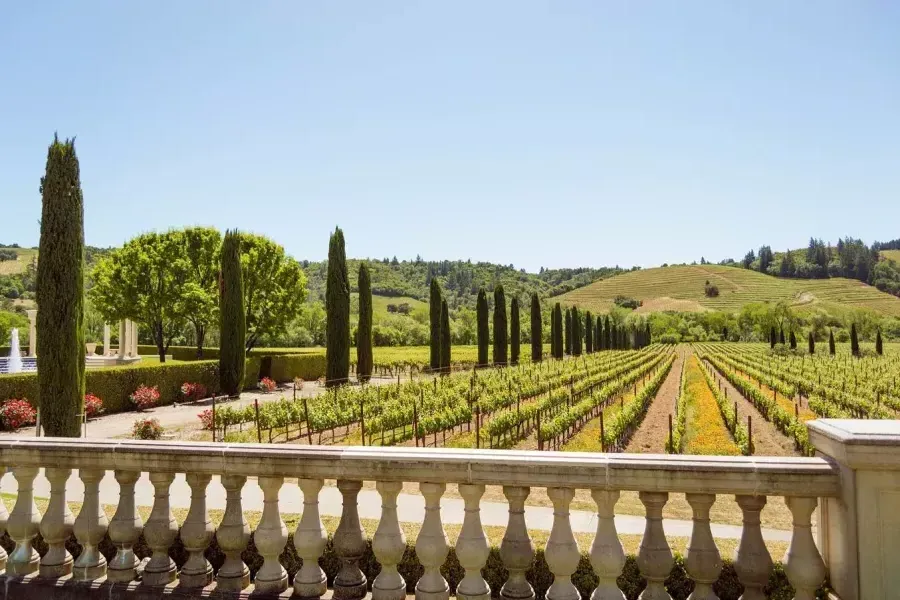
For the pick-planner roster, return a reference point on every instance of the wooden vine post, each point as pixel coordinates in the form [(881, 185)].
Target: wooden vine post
[(258, 432), (750, 433), (671, 436)]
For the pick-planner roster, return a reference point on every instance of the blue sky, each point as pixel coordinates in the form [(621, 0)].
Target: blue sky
[(534, 133)]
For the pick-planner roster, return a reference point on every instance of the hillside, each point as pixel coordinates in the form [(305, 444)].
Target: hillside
[(893, 255), (682, 288), (23, 259)]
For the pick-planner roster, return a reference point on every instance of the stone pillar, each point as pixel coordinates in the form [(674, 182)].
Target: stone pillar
[(859, 531), (134, 339), (32, 332), (122, 334), (106, 339)]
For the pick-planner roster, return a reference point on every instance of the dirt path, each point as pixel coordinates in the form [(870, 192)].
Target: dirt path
[(651, 436), (767, 440)]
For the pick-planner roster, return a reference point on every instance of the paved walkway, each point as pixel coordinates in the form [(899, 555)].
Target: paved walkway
[(410, 507)]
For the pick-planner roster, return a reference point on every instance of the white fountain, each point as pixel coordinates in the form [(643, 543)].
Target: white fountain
[(14, 365)]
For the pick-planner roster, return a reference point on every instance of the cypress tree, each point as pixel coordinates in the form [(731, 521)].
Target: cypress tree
[(831, 349), (781, 336), (337, 313), (724, 334), (364, 329), (60, 293), (514, 330), (772, 338), (649, 339), (552, 333), (446, 341), (613, 338), (812, 343), (500, 330), (607, 335), (879, 349), (854, 340), (568, 338), (558, 321), (537, 342), (588, 333), (793, 340), (434, 307), (576, 332), (484, 332), (232, 317)]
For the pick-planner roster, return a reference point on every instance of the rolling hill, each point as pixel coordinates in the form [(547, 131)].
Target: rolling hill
[(681, 288), (893, 255), (24, 258)]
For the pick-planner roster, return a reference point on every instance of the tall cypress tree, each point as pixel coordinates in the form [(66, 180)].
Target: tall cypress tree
[(793, 340), (812, 343), (576, 332), (831, 348), (337, 313), (446, 342), (854, 340), (232, 317), (364, 329), (588, 332), (552, 333), (773, 338), (537, 326), (613, 338), (607, 335), (514, 330), (558, 339), (500, 331), (434, 307), (781, 336), (60, 293), (484, 332), (598, 334), (568, 332), (879, 347)]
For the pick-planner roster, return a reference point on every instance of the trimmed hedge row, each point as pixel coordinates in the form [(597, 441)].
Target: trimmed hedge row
[(287, 367), (189, 353), (632, 584)]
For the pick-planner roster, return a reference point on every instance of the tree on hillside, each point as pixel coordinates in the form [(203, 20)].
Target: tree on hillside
[(781, 336), (537, 341), (60, 293), (607, 335), (787, 268), (879, 347), (812, 343), (576, 332), (773, 338), (766, 258), (434, 307), (793, 340), (514, 330), (446, 338), (748, 259), (553, 333), (364, 358), (568, 331), (854, 340), (232, 317), (831, 348), (483, 327), (337, 309), (202, 246), (500, 327), (588, 332)]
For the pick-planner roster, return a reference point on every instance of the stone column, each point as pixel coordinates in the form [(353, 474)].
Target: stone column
[(858, 531), (134, 339), (122, 333), (32, 332), (106, 339)]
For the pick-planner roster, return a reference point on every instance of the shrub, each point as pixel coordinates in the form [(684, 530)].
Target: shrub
[(267, 384), (193, 391), (711, 291), (206, 419), (93, 405), (626, 302), (147, 429), (17, 413), (145, 397), (292, 366)]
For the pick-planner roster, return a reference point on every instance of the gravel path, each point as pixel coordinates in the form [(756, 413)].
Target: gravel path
[(651, 436)]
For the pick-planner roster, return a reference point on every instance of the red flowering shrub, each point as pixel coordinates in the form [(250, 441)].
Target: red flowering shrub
[(147, 429), (93, 405), (17, 413), (145, 397), (206, 419), (267, 385), (193, 391)]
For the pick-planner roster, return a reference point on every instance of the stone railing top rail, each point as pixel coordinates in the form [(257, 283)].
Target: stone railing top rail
[(785, 476)]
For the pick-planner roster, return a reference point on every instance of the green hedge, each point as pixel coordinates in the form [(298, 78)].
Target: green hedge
[(190, 352), (632, 584), (290, 366)]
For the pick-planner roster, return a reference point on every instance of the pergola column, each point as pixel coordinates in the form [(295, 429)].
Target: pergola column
[(123, 334), (106, 339), (134, 339), (32, 332)]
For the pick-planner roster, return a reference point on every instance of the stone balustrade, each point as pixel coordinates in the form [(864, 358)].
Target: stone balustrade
[(803, 482)]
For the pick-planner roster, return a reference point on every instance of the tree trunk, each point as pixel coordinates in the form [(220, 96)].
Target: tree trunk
[(201, 337)]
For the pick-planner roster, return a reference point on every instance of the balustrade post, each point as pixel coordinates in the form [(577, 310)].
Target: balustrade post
[(160, 533), (432, 546), (349, 545), (389, 545), (56, 526), (196, 533), (270, 538), (124, 530), (655, 558), (802, 563), (232, 536), (23, 524), (516, 549), (309, 541), (702, 560), (472, 546), (607, 554), (4, 517), (562, 552), (90, 528), (752, 561)]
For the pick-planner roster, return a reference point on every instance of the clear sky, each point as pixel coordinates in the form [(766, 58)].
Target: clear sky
[(556, 133)]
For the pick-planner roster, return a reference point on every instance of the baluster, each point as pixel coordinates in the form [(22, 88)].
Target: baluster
[(349, 545), (124, 530), (702, 561), (655, 558), (56, 526), (516, 549), (607, 554), (23, 524), (562, 552), (752, 562), (90, 528), (160, 533), (802, 563), (270, 538), (4, 517), (196, 534), (310, 540), (432, 546), (389, 544), (232, 536), (472, 546)]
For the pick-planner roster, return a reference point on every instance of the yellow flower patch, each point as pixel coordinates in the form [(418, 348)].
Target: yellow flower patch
[(706, 432)]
